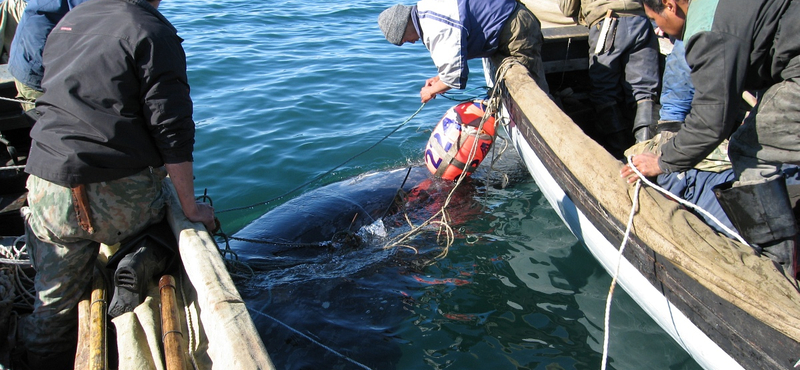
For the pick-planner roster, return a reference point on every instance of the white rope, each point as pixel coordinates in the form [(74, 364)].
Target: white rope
[(20, 167), (687, 203), (16, 100), (189, 323), (616, 273), (635, 204), (492, 104)]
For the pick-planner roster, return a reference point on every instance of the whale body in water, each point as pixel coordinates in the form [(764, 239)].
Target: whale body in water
[(316, 217)]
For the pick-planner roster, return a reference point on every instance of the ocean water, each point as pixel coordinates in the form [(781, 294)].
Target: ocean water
[(288, 95)]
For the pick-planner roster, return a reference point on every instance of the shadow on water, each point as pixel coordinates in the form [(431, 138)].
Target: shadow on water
[(515, 291)]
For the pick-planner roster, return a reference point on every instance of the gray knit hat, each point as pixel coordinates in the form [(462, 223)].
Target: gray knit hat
[(393, 23)]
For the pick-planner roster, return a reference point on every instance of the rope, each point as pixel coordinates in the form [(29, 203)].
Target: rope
[(329, 349), (643, 179), (319, 177), (616, 274), (189, 324), (13, 256), (443, 222), (16, 100), (687, 204), (12, 167)]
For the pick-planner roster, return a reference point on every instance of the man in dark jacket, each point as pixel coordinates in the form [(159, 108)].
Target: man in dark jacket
[(734, 46), (116, 116)]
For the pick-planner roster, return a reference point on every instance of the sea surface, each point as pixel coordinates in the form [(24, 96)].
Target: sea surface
[(288, 97)]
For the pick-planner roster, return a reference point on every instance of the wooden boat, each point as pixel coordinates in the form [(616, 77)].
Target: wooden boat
[(727, 307), (216, 329)]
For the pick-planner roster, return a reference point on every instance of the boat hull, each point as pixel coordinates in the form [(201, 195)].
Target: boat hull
[(717, 333)]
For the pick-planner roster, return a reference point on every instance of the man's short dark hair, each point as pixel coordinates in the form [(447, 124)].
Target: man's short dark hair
[(655, 5)]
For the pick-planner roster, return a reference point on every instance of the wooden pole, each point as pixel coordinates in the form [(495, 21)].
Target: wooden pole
[(97, 340), (170, 325), (84, 331)]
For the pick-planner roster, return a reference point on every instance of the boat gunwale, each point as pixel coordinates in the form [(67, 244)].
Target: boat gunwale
[(750, 341)]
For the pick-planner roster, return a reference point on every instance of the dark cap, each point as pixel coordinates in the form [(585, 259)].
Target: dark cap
[(393, 23)]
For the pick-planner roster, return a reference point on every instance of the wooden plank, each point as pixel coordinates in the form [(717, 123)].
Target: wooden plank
[(577, 31), (234, 342)]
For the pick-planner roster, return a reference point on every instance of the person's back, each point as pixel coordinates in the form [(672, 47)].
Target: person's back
[(112, 42), (116, 119)]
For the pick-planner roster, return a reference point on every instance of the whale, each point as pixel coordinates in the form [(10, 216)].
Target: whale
[(310, 221)]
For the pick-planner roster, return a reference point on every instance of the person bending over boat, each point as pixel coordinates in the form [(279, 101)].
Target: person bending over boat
[(455, 31), (25, 57), (733, 46), (116, 117), (695, 184), (623, 67)]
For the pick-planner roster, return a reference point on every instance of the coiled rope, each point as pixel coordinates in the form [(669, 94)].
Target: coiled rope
[(15, 258)]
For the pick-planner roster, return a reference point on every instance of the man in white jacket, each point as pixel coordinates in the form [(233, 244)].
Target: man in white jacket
[(455, 31)]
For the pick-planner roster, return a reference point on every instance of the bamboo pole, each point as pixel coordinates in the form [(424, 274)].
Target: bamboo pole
[(97, 340), (170, 325), (84, 331)]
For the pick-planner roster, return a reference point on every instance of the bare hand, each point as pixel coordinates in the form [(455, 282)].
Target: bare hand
[(429, 82), (202, 213), (433, 86), (427, 94), (646, 163)]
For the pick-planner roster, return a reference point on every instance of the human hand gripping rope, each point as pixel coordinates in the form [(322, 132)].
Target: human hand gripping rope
[(635, 203)]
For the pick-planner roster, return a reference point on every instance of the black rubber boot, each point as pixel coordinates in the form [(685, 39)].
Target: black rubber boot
[(643, 127), (134, 274), (763, 216), (616, 136)]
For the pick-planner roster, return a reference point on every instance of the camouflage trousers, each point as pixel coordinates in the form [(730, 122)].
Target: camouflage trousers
[(64, 254)]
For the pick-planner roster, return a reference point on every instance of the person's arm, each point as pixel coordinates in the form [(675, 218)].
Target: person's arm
[(718, 70), (433, 86), (182, 176)]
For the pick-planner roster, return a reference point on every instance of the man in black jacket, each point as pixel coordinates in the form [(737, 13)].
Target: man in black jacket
[(735, 46), (116, 117)]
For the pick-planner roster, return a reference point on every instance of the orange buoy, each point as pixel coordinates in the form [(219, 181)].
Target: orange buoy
[(454, 137)]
